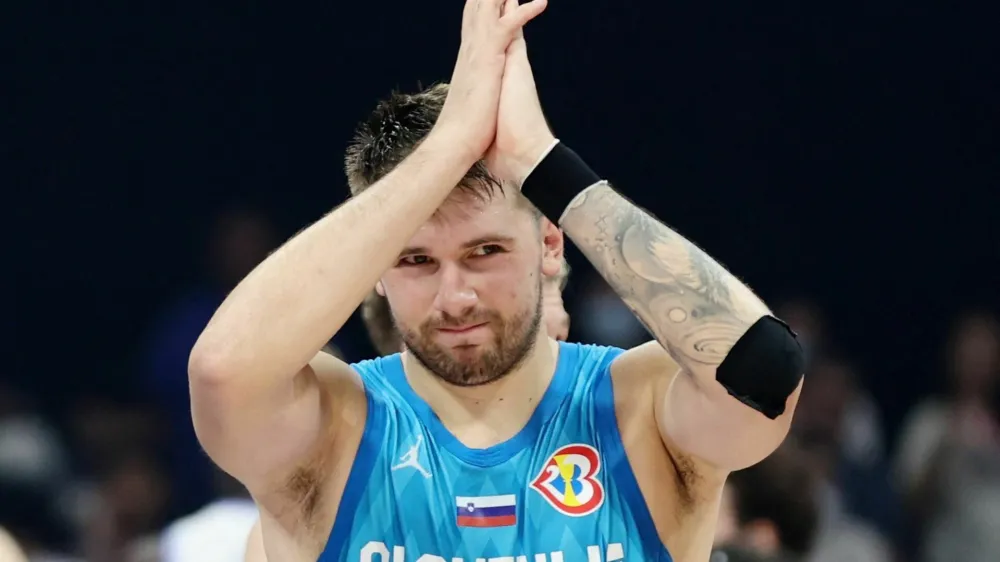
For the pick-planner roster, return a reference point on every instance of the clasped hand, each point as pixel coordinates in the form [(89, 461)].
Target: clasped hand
[(492, 108)]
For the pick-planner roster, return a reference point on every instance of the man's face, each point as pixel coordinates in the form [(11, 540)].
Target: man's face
[(466, 293)]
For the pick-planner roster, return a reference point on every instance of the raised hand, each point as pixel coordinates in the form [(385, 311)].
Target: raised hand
[(488, 28), (522, 135)]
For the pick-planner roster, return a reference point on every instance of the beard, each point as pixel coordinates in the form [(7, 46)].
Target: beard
[(513, 339)]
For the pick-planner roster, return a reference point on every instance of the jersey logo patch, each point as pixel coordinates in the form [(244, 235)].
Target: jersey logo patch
[(568, 480), (486, 511)]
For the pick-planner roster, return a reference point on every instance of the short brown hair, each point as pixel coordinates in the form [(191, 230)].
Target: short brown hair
[(394, 129), (378, 321)]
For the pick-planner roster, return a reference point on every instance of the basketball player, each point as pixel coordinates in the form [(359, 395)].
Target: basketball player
[(527, 448), (383, 335), (769, 511)]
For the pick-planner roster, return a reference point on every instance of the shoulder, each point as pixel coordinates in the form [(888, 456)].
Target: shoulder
[(639, 377), (645, 369), (589, 359), (376, 375)]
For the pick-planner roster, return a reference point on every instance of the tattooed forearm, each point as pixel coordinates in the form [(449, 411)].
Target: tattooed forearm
[(694, 307)]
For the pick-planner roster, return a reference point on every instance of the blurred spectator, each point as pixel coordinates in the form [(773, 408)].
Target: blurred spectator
[(34, 470), (31, 453), (132, 500), (768, 511), (806, 318), (215, 533), (948, 462), (106, 426), (33, 518), (9, 550), (378, 321), (554, 314), (856, 498), (239, 240), (602, 318), (862, 436)]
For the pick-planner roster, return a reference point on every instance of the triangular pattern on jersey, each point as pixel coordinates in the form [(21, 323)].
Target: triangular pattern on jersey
[(586, 503)]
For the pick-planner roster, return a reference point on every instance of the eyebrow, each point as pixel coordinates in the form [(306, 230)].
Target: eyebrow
[(481, 241)]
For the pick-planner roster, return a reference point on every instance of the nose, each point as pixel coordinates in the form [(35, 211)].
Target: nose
[(455, 296)]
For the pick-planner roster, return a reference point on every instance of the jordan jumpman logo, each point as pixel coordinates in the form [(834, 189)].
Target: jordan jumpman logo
[(412, 458)]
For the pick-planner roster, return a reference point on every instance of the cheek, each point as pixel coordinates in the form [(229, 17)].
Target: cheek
[(411, 299), (508, 281)]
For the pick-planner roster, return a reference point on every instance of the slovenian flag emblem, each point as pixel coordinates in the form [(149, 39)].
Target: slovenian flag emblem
[(486, 511)]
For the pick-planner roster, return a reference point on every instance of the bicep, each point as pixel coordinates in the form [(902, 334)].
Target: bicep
[(719, 430), (258, 433)]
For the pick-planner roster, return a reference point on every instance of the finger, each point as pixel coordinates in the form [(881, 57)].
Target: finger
[(524, 13), (482, 10), (490, 10), (510, 7)]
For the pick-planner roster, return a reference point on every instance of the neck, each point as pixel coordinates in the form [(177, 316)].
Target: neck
[(484, 415)]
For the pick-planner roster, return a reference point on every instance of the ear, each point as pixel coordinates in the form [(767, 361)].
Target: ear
[(553, 248), (379, 288)]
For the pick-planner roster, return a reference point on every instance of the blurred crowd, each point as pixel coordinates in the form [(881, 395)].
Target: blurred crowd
[(117, 474)]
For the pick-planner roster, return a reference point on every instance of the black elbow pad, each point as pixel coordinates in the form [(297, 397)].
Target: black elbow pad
[(764, 367)]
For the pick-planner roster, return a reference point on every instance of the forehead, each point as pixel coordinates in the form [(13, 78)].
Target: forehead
[(465, 217)]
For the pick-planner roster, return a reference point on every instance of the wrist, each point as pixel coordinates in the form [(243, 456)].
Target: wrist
[(558, 178), (456, 142), (532, 155)]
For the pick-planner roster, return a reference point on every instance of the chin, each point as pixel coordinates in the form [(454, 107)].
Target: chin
[(469, 353)]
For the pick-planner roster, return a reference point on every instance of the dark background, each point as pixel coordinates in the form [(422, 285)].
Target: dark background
[(845, 152)]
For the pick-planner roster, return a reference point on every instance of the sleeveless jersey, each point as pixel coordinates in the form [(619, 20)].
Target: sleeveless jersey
[(561, 490)]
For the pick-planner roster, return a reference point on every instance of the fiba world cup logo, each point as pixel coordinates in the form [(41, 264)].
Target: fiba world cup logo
[(569, 480)]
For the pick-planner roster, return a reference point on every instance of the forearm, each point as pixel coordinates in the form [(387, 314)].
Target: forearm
[(692, 305), (710, 323), (280, 315)]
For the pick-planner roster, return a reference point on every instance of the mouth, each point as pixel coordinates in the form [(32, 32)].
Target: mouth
[(463, 329)]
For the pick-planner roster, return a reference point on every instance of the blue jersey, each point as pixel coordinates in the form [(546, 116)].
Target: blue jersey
[(561, 490)]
